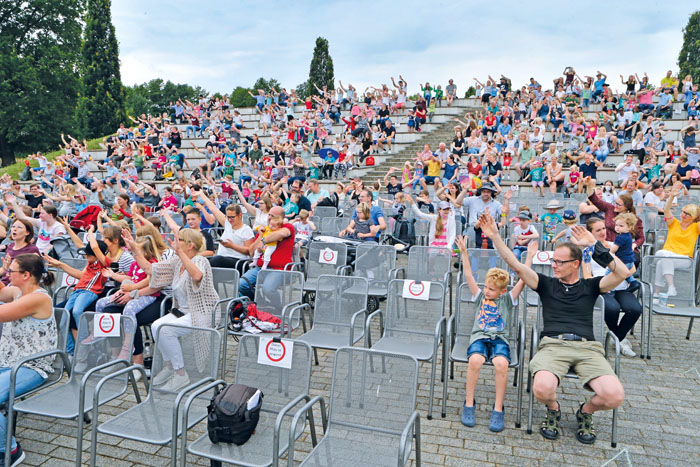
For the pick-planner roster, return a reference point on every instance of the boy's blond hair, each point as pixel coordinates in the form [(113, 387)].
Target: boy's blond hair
[(499, 277), (303, 214)]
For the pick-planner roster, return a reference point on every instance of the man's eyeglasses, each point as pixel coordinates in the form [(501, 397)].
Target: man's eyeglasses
[(10, 271), (559, 262)]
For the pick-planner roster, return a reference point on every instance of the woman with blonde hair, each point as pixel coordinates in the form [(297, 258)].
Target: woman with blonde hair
[(194, 298), (680, 242)]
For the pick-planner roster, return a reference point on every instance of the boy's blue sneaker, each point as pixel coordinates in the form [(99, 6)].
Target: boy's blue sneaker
[(496, 423), (469, 415)]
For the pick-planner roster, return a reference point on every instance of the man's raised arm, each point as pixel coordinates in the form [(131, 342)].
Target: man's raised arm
[(490, 229)]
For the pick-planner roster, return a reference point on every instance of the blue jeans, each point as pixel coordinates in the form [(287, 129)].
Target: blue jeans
[(246, 287), (518, 251), (27, 379), (193, 129), (77, 303)]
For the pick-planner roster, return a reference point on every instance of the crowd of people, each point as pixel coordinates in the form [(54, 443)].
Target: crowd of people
[(248, 205)]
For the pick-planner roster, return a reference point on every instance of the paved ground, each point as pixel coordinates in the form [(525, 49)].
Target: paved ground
[(659, 422)]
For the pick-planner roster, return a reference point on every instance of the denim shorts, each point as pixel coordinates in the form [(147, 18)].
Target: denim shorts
[(490, 348)]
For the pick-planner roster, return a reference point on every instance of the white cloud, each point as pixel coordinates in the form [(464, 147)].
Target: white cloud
[(220, 45)]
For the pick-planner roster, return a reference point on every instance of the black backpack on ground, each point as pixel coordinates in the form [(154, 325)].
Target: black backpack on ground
[(229, 419)]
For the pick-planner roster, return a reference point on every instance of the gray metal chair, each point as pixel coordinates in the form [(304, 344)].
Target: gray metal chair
[(324, 258), (339, 313), (155, 420), (602, 335), (324, 212), (226, 285), (65, 282), (276, 292), (459, 330), (413, 327), (377, 264), (333, 225), (683, 304), (59, 366), (372, 417), (428, 263), (286, 400), (93, 359)]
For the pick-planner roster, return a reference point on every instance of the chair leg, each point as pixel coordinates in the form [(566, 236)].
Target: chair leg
[(613, 441), (432, 387), (529, 407), (690, 328), (316, 356)]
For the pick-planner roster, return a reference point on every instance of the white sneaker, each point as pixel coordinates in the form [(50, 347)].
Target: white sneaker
[(163, 377), (672, 292), (626, 348), (176, 382)]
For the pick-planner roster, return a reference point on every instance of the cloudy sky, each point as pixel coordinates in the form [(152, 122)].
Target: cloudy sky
[(220, 45)]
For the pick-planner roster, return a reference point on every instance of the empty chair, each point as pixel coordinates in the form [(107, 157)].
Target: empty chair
[(413, 324), (339, 313), (429, 263), (286, 398), (226, 284), (683, 304), (324, 258), (459, 331), (372, 419), (333, 225), (156, 419), (602, 335), (325, 211), (94, 358), (377, 264), (276, 292)]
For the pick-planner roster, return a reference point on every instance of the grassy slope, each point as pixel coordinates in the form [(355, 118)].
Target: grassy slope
[(15, 169)]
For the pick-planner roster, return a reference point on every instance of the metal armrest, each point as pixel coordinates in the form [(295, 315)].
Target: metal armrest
[(176, 407), (449, 332), (293, 427), (92, 371), (287, 316), (413, 424), (440, 326), (368, 322), (396, 272), (216, 308), (186, 412), (352, 324), (535, 340), (343, 271)]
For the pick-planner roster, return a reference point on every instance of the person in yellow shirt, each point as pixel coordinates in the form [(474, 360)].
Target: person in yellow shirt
[(432, 167), (680, 243), (670, 81)]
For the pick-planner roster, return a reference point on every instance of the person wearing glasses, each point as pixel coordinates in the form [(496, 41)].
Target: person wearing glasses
[(29, 328), (680, 242), (194, 297), (567, 339), (236, 239)]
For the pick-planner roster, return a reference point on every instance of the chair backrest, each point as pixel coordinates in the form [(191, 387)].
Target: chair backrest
[(380, 400), (428, 263), (467, 313), (411, 317), (325, 211), (338, 298), (226, 285), (684, 280), (325, 258), (348, 207), (276, 289), (333, 225), (201, 346), (91, 351), (481, 260), (279, 385), (374, 262)]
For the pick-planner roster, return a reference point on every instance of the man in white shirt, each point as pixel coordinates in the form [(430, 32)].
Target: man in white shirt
[(624, 169), (442, 153)]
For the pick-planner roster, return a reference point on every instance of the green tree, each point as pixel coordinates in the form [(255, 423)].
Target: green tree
[(39, 51), (302, 89), (102, 105), (240, 98), (689, 57), (321, 69), (267, 85), (470, 92), (155, 96)]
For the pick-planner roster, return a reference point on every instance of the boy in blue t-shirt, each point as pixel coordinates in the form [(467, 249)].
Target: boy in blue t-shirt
[(489, 338), (550, 219)]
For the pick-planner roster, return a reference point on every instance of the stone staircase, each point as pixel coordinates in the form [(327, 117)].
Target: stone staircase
[(444, 133)]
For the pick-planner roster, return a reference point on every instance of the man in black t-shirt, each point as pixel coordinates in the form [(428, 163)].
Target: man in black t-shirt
[(567, 337), (34, 198)]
